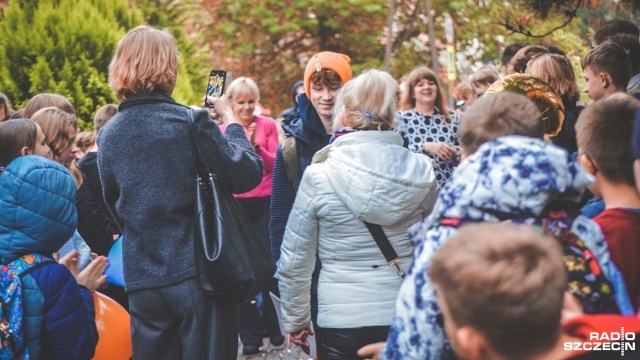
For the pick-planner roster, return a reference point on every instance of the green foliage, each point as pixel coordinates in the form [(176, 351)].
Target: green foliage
[(61, 46), (271, 40)]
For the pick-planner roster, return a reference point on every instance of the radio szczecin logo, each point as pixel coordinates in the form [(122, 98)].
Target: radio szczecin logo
[(605, 341)]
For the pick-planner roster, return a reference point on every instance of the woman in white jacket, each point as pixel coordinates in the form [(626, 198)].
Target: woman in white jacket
[(365, 175)]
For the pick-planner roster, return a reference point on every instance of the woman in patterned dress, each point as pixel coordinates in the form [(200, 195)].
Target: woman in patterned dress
[(429, 127)]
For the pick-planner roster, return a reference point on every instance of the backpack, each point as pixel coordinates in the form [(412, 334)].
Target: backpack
[(290, 156), (585, 279), (11, 308)]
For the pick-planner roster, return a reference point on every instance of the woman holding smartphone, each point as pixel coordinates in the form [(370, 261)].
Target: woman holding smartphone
[(148, 170)]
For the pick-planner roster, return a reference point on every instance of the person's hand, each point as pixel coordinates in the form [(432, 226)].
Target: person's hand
[(71, 261), (251, 135), (92, 276), (221, 110), (212, 112), (372, 351), (300, 338), (443, 151)]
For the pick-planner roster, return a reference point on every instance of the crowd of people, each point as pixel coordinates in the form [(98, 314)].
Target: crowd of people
[(506, 228)]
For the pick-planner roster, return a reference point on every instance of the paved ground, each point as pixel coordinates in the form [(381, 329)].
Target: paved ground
[(272, 354)]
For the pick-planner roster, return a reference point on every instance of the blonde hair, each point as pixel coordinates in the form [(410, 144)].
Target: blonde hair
[(501, 278), (54, 123), (243, 86), (423, 73), (367, 102), (556, 70), (146, 61)]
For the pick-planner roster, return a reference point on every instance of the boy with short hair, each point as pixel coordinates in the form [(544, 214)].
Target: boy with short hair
[(607, 70), (501, 289), (490, 279), (306, 132), (605, 152), (482, 79), (495, 119), (631, 46)]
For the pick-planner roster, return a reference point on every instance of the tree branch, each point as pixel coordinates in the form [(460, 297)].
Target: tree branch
[(571, 14)]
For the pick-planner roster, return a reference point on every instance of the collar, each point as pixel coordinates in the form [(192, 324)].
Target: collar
[(140, 99)]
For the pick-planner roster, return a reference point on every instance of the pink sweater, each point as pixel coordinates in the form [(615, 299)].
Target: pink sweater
[(267, 137)]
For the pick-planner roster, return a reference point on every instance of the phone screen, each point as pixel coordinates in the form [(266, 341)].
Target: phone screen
[(216, 83)]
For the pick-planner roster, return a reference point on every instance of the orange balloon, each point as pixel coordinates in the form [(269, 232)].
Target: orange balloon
[(114, 329)]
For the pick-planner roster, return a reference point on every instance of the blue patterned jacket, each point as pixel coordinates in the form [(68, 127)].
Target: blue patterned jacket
[(38, 214), (512, 177)]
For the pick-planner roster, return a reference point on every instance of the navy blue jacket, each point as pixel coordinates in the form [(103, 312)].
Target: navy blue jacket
[(306, 126), (148, 170), (38, 214)]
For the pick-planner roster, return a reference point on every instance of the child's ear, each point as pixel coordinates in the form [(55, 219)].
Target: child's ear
[(470, 343), (25, 151), (586, 164), (605, 79)]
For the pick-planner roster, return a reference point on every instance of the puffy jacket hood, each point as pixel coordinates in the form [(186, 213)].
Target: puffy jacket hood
[(511, 177), (37, 207), (376, 178)]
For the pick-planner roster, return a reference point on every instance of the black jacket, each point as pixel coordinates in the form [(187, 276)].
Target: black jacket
[(95, 223)]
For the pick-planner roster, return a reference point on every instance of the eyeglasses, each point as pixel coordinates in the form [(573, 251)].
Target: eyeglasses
[(593, 165)]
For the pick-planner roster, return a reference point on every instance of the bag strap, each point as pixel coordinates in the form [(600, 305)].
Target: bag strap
[(385, 246), (200, 164), (290, 155)]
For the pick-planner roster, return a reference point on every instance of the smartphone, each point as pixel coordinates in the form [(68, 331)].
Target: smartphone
[(217, 82)]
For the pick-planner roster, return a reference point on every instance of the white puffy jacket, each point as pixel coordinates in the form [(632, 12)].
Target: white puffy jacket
[(365, 175)]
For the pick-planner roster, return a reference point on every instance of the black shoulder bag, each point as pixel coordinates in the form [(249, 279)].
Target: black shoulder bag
[(232, 263)]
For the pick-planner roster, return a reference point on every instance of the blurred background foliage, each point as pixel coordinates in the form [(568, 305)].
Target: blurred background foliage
[(65, 46)]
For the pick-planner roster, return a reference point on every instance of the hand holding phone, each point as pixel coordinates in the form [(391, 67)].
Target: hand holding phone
[(216, 85), (221, 110)]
